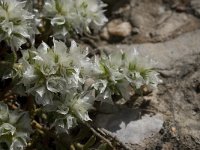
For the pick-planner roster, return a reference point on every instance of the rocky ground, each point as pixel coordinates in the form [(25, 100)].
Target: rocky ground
[(167, 31)]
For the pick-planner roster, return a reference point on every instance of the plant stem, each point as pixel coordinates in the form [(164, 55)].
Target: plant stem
[(98, 134), (5, 63), (14, 56)]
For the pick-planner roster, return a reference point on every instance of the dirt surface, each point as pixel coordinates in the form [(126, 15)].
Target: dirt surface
[(161, 25), (179, 101)]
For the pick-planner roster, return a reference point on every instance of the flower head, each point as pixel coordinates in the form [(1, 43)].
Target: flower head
[(47, 71), (74, 15), (14, 23), (15, 128), (69, 108), (119, 71)]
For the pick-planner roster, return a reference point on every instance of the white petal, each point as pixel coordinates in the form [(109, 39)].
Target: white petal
[(73, 45), (41, 91), (43, 48), (59, 47)]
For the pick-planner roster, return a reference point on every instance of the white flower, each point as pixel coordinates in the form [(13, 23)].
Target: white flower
[(15, 23), (74, 15), (80, 105), (76, 80), (120, 69), (91, 11), (64, 123), (15, 128), (45, 98), (100, 85), (29, 75), (70, 107), (48, 71), (138, 70), (60, 50)]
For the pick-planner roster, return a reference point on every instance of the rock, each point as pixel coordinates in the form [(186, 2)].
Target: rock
[(166, 53), (128, 128), (118, 28), (169, 24), (167, 146), (195, 4), (135, 30), (157, 22), (138, 20)]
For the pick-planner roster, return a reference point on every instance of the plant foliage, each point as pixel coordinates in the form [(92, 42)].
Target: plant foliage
[(60, 83)]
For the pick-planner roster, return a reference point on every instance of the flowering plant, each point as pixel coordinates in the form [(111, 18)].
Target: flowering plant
[(118, 71), (58, 85), (15, 23), (56, 78), (15, 128), (75, 15)]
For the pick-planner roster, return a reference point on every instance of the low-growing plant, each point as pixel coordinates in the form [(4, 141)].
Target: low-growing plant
[(77, 16), (15, 128), (15, 23), (60, 83)]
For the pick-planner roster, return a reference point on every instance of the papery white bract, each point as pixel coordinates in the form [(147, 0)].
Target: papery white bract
[(63, 123), (56, 84), (74, 15), (15, 128), (80, 105), (138, 70), (117, 72), (55, 76), (72, 108), (51, 70), (15, 23)]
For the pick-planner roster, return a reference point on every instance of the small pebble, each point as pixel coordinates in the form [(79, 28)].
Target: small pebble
[(119, 29)]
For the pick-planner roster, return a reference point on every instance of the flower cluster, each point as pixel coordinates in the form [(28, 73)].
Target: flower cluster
[(119, 71), (74, 15), (15, 23), (57, 77), (15, 128), (54, 76)]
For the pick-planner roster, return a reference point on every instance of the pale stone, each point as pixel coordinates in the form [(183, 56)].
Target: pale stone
[(118, 28), (196, 6), (127, 126)]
